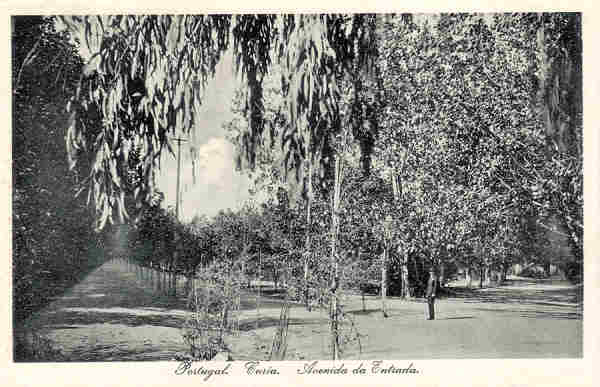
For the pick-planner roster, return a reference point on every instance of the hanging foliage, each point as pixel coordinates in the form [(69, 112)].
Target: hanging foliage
[(147, 76)]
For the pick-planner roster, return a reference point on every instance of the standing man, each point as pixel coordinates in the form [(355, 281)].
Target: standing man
[(430, 293)]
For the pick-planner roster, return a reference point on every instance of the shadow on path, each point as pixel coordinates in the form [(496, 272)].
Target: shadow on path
[(456, 318), (116, 313), (116, 293), (537, 313), (536, 292)]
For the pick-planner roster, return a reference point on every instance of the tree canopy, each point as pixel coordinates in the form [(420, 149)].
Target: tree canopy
[(146, 74)]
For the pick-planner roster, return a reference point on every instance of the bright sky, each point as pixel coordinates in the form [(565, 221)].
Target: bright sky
[(218, 186)]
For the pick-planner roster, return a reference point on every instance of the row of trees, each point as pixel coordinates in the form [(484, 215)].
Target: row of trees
[(451, 141), (476, 148), (53, 243)]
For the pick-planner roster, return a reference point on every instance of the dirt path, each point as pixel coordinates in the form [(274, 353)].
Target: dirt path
[(114, 315)]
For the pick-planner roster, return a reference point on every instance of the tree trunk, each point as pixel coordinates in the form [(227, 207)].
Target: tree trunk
[(469, 276), (384, 275), (224, 321), (334, 263), (175, 279), (405, 293), (279, 344), (188, 284), (418, 277), (306, 300), (307, 246), (405, 280), (547, 272), (442, 276), (173, 264), (503, 270), (159, 281), (258, 290), (243, 268), (405, 285), (362, 295), (503, 274), (481, 276)]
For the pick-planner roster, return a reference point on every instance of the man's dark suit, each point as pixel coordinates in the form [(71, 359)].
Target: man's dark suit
[(430, 294)]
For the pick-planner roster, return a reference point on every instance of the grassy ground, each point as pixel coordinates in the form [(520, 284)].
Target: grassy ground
[(114, 315)]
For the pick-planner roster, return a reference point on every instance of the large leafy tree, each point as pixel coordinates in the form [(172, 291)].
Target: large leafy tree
[(460, 116), (147, 75), (559, 76)]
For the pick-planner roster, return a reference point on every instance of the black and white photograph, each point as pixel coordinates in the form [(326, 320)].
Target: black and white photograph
[(266, 187)]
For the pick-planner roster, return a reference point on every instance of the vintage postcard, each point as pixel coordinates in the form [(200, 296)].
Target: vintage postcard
[(347, 195)]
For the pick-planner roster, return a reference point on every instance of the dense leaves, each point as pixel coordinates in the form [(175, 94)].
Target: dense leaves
[(452, 108), (53, 239)]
